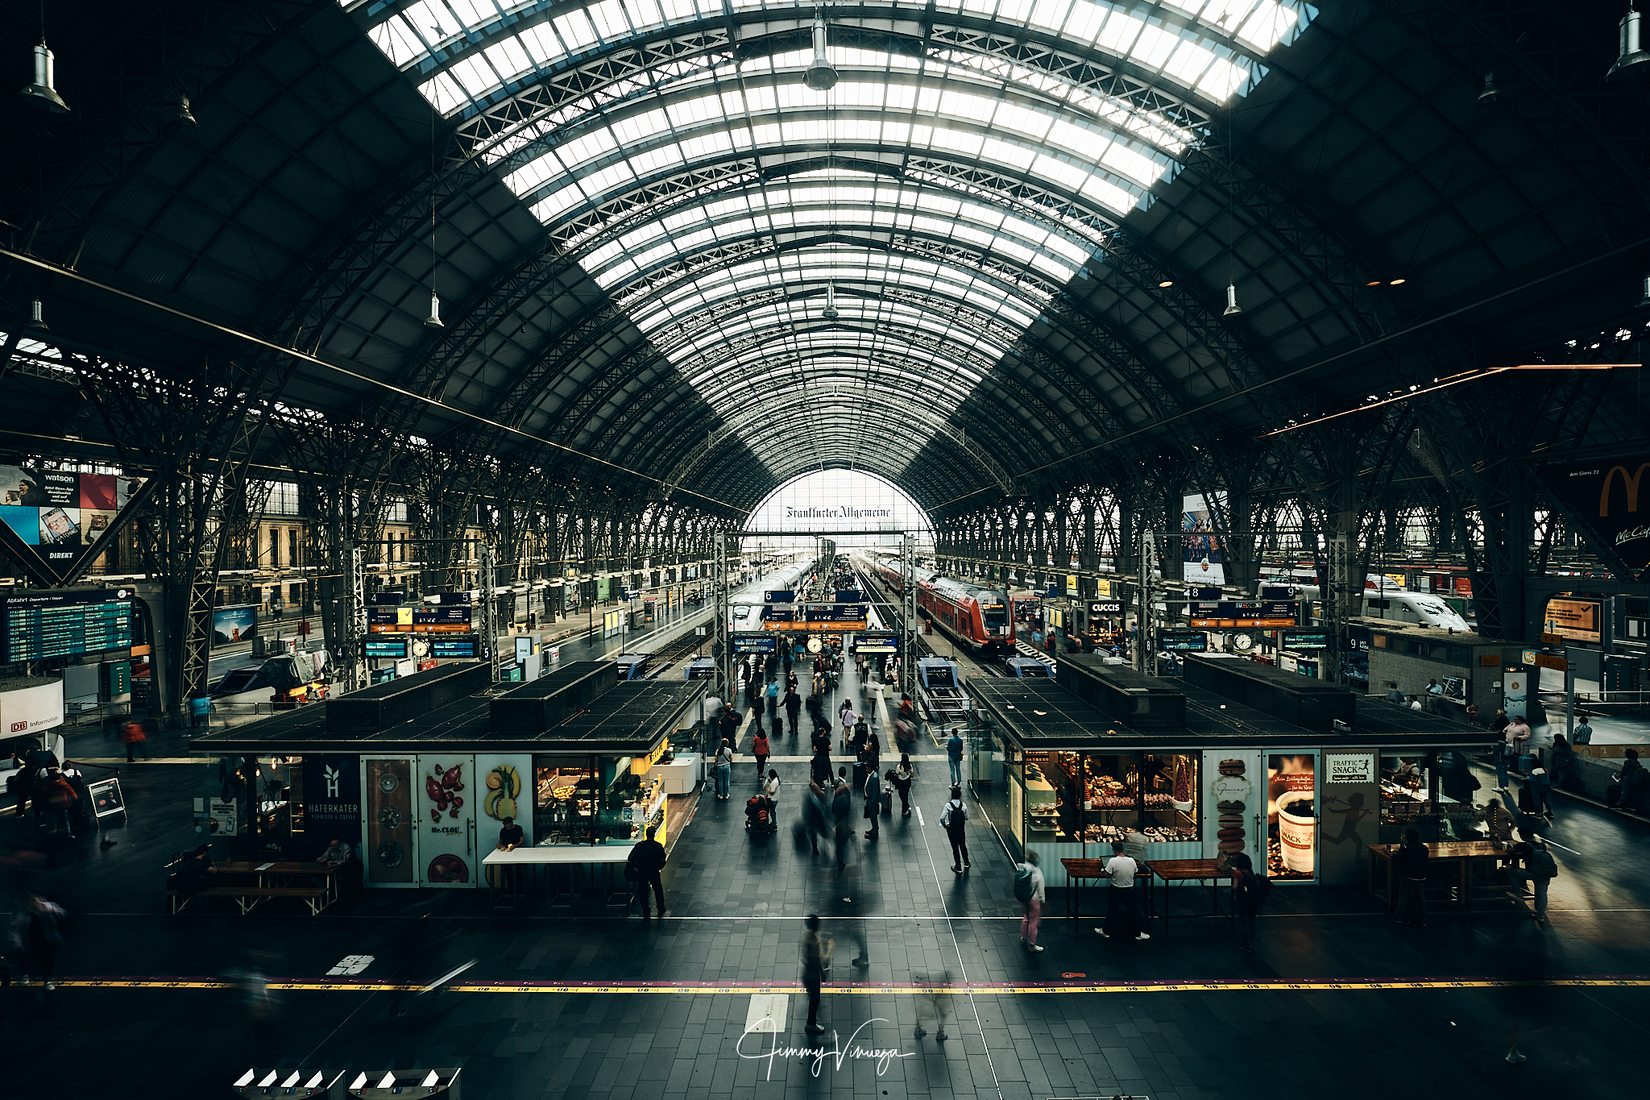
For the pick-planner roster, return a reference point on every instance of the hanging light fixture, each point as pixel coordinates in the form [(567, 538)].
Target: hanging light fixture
[(821, 74), (830, 312), (434, 319), (1644, 301), (1491, 93), (43, 92), (37, 317), (1232, 308), (1631, 55), (183, 116)]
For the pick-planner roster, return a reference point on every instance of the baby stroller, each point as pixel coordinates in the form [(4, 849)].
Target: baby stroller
[(759, 817)]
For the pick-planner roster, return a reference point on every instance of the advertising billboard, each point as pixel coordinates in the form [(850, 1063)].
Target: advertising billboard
[(234, 624), (1576, 620), (446, 820), (1203, 553), (57, 517), (1610, 496), (391, 843)]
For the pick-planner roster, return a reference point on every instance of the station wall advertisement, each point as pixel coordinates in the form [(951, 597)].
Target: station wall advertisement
[(332, 799), (234, 624), (1203, 552), (1577, 620), (446, 820), (502, 787), (58, 516), (391, 843), (1610, 496)]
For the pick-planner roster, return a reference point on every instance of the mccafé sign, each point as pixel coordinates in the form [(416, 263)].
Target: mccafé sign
[(1611, 496)]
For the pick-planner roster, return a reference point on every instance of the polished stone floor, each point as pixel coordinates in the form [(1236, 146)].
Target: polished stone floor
[(1335, 1000)]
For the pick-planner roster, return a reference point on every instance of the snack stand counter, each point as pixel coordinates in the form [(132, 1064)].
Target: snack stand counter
[(1066, 776)]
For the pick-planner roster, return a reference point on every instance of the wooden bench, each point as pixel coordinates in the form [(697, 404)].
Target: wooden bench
[(250, 895), (251, 884)]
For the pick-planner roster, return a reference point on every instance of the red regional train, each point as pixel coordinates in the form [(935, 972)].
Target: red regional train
[(968, 614)]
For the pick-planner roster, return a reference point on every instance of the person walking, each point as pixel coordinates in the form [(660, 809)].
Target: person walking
[(42, 937), (1030, 890), (773, 703), (645, 867), (761, 750), (1409, 863), (1120, 869), (1249, 893), (134, 738), (954, 820), (1564, 762), (904, 775), (1623, 790), (1515, 742), (842, 808), (793, 710), (1540, 868), (1583, 731), (874, 795), (954, 756), (1540, 786), (724, 768), (816, 963)]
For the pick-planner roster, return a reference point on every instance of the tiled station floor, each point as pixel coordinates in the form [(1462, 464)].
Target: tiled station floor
[(1335, 1000)]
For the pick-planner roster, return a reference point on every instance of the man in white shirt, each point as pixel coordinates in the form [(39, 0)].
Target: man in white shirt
[(1120, 910), (1029, 881)]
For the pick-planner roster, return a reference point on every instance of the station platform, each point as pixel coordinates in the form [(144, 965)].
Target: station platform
[(1335, 997)]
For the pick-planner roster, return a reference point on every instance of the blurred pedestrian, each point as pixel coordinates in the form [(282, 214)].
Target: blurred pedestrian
[(936, 992), (954, 756), (1248, 895), (761, 750), (816, 964), (134, 738), (793, 710), (42, 937), (1030, 890), (1583, 731), (842, 808), (1563, 762), (1539, 871), (954, 820)]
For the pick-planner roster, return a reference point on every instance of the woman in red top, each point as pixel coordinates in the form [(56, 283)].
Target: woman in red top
[(759, 749)]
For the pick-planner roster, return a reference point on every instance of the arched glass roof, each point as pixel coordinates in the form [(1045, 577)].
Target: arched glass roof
[(674, 150)]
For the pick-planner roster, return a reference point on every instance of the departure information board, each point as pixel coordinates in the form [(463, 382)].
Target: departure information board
[(40, 626)]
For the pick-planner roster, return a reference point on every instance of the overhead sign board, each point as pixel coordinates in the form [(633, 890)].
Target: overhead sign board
[(385, 647), (778, 595), (1106, 607), (453, 619), (1239, 615), (1182, 641), (873, 641), (746, 642), (1305, 638), (456, 648)]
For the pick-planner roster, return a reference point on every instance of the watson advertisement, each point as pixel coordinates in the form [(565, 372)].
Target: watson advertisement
[(60, 513), (1609, 495)]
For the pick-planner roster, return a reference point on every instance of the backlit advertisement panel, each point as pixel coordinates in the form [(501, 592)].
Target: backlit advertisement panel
[(58, 516), (1203, 552), (1577, 620)]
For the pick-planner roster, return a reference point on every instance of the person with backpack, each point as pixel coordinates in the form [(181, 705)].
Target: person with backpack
[(773, 703), (1030, 891), (1120, 870), (1248, 895), (761, 749), (954, 820), (904, 773), (1540, 870), (58, 795), (644, 868)]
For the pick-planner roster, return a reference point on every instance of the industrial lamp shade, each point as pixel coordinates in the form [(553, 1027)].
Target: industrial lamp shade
[(821, 75), (1232, 308), (184, 116), (434, 319), (1492, 91), (830, 311), (37, 317), (42, 91), (1644, 301), (1632, 57)]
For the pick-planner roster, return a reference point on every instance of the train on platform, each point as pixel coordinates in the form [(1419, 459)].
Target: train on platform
[(975, 617)]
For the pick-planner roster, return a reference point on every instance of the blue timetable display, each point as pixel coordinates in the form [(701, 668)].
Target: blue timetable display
[(41, 626)]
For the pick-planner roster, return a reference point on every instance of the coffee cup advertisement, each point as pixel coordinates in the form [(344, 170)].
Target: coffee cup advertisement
[(1292, 815)]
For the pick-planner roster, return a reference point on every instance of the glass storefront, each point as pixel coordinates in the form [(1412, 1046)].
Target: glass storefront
[(595, 800), (1431, 792)]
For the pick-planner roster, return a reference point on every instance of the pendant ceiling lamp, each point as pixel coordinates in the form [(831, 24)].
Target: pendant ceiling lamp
[(43, 92), (821, 74), (1632, 56), (830, 311)]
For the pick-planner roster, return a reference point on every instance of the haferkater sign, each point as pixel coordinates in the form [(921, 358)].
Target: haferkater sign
[(1612, 497)]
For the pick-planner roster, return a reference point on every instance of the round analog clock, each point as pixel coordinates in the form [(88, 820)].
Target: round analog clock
[(420, 647), (1242, 643)]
